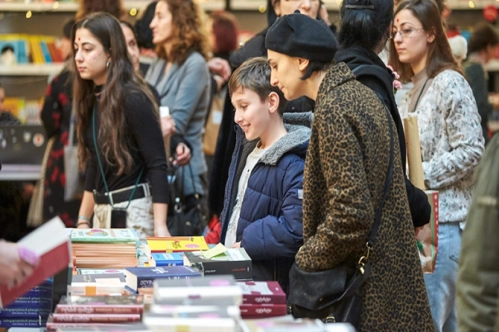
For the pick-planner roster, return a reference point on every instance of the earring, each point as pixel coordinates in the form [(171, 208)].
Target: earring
[(107, 64)]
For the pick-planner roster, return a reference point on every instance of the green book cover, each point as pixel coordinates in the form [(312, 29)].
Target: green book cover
[(113, 235)]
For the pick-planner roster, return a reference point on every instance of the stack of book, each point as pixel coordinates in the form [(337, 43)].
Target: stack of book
[(31, 309), (140, 280), (197, 304), (104, 248), (97, 284), (227, 261), (262, 299), (96, 311)]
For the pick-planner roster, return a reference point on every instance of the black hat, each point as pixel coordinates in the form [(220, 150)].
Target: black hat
[(301, 36)]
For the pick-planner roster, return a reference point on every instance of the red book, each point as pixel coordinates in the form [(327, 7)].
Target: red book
[(262, 292), (51, 242), (95, 318), (101, 305), (262, 310)]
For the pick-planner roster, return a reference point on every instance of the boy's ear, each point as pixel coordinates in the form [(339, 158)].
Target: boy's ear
[(302, 63), (273, 101)]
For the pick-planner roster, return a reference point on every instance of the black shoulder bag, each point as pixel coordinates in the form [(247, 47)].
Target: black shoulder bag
[(118, 215), (334, 295)]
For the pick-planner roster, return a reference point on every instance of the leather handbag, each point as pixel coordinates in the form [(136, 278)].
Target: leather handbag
[(335, 295), (74, 181)]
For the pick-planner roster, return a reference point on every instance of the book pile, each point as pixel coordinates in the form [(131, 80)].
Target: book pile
[(198, 304), (262, 299), (96, 311), (97, 284), (31, 309), (104, 248), (176, 244), (140, 280), (221, 261)]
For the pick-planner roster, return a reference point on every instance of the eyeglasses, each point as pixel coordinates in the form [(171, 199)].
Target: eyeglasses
[(404, 33)]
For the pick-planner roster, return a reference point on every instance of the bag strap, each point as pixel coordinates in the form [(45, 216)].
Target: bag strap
[(72, 121), (102, 169)]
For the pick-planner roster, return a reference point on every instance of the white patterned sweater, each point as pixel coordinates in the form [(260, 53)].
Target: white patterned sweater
[(451, 141)]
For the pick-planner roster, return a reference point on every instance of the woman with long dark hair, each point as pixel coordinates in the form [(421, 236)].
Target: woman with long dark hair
[(119, 134), (450, 134)]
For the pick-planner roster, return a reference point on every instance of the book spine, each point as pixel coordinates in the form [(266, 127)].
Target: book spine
[(95, 290), (31, 302), (263, 299), (82, 318), (148, 282), (240, 270), (84, 309), (22, 322), (256, 310), (169, 263), (24, 313)]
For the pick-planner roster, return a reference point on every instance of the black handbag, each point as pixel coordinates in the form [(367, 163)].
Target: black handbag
[(335, 295), (186, 216)]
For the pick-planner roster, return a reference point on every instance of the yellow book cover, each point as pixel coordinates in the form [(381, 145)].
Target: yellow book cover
[(176, 244)]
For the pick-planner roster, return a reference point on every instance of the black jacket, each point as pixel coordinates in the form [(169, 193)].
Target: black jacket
[(357, 56), (227, 135)]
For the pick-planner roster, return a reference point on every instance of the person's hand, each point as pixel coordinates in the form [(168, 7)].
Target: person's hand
[(220, 82), (220, 67), (161, 231), (417, 230), (167, 126), (183, 155), (16, 263), (324, 15), (83, 225), (236, 245)]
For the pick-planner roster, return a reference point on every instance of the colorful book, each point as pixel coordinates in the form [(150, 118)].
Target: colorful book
[(144, 277), (112, 235), (262, 292), (55, 255), (232, 261), (95, 318), (101, 305), (168, 259), (176, 244), (262, 310), (212, 287), (45, 51)]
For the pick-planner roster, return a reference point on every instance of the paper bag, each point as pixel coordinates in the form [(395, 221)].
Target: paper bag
[(427, 238)]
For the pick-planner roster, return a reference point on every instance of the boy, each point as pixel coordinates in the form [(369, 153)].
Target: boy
[(262, 209)]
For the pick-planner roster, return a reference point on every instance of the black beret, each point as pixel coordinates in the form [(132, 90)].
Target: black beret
[(298, 35)]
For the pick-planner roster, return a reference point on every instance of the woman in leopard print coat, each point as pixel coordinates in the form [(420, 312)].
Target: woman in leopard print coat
[(345, 172)]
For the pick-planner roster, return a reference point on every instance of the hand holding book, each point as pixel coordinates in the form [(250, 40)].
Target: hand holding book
[(16, 263)]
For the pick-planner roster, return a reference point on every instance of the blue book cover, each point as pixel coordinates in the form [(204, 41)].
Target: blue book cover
[(24, 312), (23, 322), (169, 259), (31, 302), (40, 292), (45, 51), (143, 277)]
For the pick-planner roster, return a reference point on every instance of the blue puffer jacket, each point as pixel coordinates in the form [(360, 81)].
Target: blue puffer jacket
[(270, 223)]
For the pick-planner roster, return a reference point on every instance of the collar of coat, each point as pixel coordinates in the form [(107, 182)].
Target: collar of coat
[(336, 75), (298, 127)]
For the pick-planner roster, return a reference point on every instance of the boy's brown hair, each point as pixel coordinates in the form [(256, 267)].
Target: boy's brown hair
[(254, 74)]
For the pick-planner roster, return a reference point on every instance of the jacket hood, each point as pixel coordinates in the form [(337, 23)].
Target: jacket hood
[(356, 56), (296, 140)]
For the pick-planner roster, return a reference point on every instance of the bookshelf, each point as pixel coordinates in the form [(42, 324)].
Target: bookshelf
[(31, 70)]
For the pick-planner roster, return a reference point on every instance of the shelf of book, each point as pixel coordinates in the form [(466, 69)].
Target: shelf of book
[(31, 69)]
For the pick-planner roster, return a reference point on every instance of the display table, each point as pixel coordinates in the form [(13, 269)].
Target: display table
[(12, 172)]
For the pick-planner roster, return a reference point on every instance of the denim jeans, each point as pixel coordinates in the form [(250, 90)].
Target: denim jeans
[(441, 284)]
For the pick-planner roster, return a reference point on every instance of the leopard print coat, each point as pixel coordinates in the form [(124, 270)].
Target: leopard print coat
[(345, 172)]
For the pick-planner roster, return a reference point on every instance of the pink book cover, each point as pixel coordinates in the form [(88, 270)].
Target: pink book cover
[(95, 318), (262, 292), (262, 310), (51, 242)]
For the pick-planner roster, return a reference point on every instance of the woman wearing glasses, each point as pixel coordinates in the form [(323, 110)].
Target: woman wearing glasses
[(450, 134)]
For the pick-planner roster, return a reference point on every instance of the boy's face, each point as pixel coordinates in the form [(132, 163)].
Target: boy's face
[(285, 74), (251, 114)]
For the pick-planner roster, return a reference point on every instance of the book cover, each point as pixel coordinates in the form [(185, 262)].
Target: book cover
[(87, 327), (99, 271), (11, 312), (168, 259), (233, 261), (55, 255), (94, 235), (217, 320), (262, 292), (31, 302), (95, 318), (39, 292), (130, 304), (212, 287), (45, 51), (23, 322), (94, 279), (143, 277), (262, 310), (176, 244)]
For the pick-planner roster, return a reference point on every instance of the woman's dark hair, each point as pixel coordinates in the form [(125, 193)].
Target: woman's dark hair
[(121, 79), (129, 26), (439, 56), (112, 7), (483, 35), (224, 26), (142, 29), (67, 28), (188, 31), (316, 66), (365, 23)]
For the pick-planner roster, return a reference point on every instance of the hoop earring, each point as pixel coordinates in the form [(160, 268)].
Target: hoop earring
[(107, 64)]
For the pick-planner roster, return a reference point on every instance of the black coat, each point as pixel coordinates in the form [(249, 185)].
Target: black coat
[(355, 57)]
